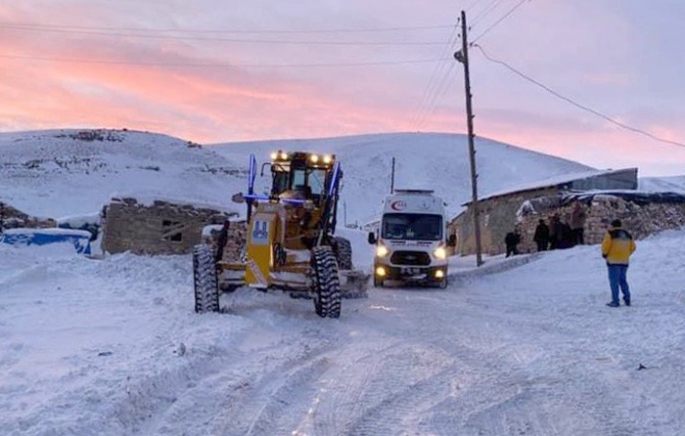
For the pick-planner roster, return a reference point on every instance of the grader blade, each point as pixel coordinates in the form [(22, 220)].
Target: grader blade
[(354, 284)]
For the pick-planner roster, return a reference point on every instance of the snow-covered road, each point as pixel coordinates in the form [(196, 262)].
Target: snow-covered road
[(113, 347)]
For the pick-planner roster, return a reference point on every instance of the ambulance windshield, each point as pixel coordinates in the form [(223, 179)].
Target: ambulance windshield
[(412, 227)]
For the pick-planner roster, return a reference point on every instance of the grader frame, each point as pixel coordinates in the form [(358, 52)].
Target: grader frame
[(290, 243)]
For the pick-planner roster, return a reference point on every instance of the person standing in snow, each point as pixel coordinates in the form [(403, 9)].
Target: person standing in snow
[(554, 230), (511, 240), (541, 236), (577, 223), (617, 247)]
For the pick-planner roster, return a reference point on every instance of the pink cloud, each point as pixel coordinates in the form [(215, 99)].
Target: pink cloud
[(228, 102)]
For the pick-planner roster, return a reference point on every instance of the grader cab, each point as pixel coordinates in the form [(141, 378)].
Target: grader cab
[(290, 243)]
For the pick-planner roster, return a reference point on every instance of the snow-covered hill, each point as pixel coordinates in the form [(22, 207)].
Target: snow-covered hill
[(422, 160), (70, 172)]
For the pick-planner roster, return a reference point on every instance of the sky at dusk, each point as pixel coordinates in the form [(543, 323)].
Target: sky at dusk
[(215, 71)]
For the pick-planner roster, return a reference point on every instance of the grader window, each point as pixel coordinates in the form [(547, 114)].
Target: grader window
[(317, 179), (280, 182), (298, 179)]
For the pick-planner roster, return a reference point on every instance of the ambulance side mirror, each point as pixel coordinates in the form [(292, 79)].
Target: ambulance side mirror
[(372, 238)]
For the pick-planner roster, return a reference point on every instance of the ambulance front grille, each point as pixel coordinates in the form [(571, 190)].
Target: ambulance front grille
[(414, 258)]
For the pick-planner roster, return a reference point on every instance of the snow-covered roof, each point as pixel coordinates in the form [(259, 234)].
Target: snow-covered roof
[(636, 196), (552, 181), (47, 231)]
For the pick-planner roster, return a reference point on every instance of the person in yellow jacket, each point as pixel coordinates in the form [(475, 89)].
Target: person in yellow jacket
[(617, 247)]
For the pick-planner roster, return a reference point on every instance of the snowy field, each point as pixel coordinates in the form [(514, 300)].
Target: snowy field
[(521, 346), (113, 347)]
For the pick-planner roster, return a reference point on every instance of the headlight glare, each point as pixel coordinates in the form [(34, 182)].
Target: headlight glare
[(381, 251)]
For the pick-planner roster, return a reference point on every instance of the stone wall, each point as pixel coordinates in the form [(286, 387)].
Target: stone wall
[(498, 213), (11, 218), (641, 218), (159, 228), (497, 218), (237, 234)]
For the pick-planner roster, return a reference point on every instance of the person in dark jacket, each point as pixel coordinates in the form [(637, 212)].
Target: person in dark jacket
[(554, 231), (511, 240), (577, 223), (541, 236), (564, 235), (617, 247), (221, 241)]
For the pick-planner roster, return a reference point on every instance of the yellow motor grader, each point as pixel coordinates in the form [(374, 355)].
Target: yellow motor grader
[(290, 243)]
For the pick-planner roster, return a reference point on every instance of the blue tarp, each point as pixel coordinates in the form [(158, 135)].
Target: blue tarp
[(79, 238)]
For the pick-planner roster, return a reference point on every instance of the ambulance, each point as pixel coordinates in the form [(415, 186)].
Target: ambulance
[(411, 242)]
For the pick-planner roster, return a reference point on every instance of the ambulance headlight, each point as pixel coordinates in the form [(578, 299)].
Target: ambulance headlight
[(274, 155), (327, 159), (381, 251), (440, 253), (283, 155), (314, 158)]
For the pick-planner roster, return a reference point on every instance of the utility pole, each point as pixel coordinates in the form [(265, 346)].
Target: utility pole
[(463, 57), (392, 177)]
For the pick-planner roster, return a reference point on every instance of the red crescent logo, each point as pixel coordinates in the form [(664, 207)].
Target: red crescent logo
[(398, 205)]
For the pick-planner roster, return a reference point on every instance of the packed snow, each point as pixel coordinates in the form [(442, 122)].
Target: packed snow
[(520, 346)]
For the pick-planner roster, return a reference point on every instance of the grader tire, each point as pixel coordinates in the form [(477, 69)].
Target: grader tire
[(205, 280), (326, 282), (343, 253)]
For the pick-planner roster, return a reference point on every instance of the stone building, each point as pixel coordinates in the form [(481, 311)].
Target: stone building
[(498, 211), (161, 227), (642, 213)]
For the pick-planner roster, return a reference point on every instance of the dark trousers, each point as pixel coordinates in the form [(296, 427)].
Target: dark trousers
[(553, 243), (542, 245), (577, 235), (511, 250)]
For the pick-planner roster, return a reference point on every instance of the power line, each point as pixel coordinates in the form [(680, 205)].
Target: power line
[(214, 65), (235, 40), (473, 5), (485, 12), (511, 11), (31, 26), (421, 108), (578, 105), (446, 85), (439, 91)]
